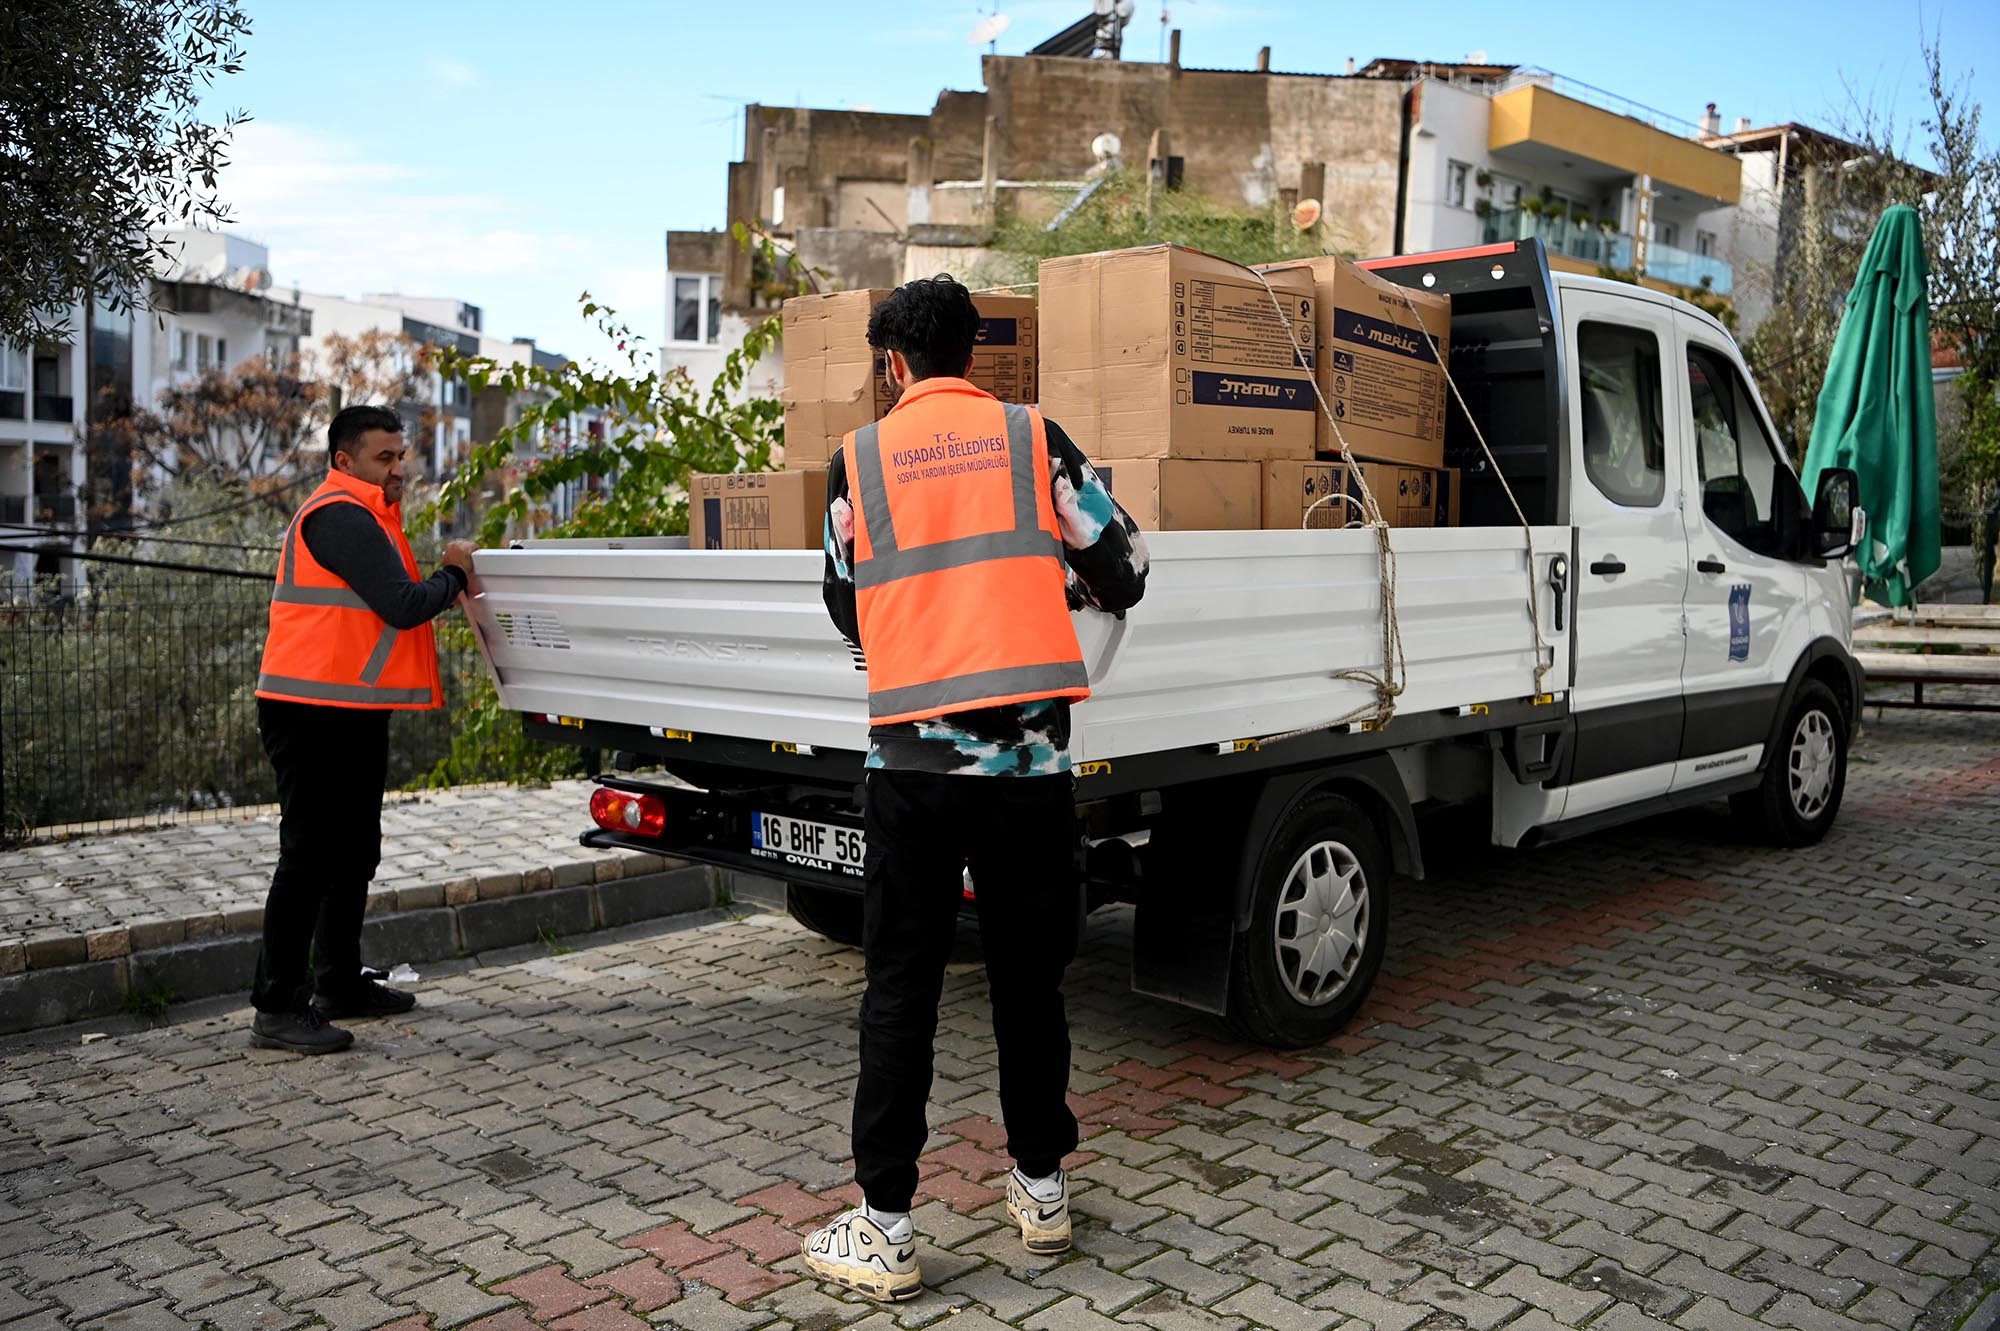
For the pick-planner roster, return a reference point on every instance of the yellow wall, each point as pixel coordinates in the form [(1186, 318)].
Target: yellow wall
[(1536, 115)]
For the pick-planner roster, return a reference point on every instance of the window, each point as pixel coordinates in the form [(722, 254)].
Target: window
[(1507, 194), (221, 354), (1739, 468), (183, 348), (1704, 243), (1667, 233), (697, 312), (13, 368), (1623, 440), (1455, 176), (204, 351)]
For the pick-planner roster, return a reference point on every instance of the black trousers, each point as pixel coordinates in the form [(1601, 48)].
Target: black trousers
[(331, 764), (1018, 836)]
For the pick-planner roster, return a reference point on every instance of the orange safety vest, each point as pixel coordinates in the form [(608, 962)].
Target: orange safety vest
[(325, 645), (958, 562)]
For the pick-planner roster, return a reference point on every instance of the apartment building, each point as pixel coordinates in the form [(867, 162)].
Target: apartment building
[(44, 395)]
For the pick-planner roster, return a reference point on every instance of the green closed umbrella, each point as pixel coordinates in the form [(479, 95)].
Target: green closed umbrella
[(1876, 414)]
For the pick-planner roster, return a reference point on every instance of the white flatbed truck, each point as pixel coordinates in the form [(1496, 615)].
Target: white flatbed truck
[(1690, 621)]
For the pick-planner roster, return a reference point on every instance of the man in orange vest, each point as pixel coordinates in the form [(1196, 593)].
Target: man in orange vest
[(350, 641), (960, 533)]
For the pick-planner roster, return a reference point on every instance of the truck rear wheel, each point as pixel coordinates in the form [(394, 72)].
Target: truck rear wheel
[(830, 913), (1319, 923), (1805, 778)]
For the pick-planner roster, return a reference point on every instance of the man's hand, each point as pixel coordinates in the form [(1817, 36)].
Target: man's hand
[(459, 555)]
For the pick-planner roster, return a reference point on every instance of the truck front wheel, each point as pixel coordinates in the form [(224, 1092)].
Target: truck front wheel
[(1319, 923), (1805, 778)]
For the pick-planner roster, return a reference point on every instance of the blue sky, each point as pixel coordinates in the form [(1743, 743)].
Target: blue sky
[(514, 154)]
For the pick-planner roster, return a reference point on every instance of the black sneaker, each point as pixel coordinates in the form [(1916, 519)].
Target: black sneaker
[(306, 1031), (371, 998)]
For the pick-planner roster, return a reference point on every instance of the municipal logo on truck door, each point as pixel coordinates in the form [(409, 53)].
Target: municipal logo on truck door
[(1739, 622)]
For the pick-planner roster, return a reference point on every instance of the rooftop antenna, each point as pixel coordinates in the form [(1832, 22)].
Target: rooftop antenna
[(1109, 39), (987, 32)]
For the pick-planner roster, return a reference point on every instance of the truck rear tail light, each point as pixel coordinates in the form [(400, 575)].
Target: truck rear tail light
[(623, 811)]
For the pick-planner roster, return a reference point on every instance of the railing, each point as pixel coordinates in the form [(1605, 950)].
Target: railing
[(134, 703), (13, 405), (1578, 91), (1590, 243), (55, 407), (13, 508), (62, 508)]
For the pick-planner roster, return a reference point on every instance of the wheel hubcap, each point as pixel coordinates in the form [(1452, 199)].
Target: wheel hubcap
[(1812, 764), (1321, 925)]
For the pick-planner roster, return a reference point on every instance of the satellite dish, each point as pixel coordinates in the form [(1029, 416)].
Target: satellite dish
[(1105, 147), (988, 30), (1306, 216)]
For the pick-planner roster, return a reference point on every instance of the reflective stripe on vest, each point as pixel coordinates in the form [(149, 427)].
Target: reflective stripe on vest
[(287, 588), (356, 693), (962, 691), (887, 563)]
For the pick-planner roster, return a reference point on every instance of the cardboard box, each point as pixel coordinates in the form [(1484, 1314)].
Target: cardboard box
[(1306, 495), (1384, 386), (757, 510), (1185, 494), (1412, 496), (835, 382), (1165, 351)]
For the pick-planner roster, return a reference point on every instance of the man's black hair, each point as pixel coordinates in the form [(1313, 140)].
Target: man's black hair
[(932, 321), (350, 423)]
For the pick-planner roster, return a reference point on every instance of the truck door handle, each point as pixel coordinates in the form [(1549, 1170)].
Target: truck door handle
[(1559, 584), (1711, 566), (1607, 567)]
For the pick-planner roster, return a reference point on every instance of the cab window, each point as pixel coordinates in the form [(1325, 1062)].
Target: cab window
[(1741, 476), (1623, 450)]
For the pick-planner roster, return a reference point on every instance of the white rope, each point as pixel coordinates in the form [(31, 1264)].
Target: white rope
[(1389, 684), (1542, 667)]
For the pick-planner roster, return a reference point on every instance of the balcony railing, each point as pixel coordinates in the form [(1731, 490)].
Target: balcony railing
[(60, 508), (1589, 243), (13, 405), (55, 407), (13, 508)]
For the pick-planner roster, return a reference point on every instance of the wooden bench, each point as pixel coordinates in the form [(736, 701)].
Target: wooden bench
[(1970, 635)]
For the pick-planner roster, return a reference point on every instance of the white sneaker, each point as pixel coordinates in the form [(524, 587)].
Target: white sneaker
[(854, 1251), (1044, 1223)]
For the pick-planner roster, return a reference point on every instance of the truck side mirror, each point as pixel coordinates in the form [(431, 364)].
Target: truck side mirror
[(1835, 509)]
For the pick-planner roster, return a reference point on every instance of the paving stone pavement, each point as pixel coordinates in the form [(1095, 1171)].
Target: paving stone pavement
[(1652, 1079), (113, 893)]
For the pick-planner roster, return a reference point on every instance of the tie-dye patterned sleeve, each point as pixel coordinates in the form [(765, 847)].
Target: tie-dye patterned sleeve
[(1107, 551), (837, 585)]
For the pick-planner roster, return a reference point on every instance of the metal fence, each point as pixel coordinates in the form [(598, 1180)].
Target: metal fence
[(134, 704)]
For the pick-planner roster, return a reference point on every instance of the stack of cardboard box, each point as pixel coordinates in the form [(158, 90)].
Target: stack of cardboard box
[(1187, 380), (1383, 349)]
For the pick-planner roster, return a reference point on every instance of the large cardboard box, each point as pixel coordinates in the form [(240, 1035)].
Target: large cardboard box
[(1384, 386), (835, 382), (1412, 496), (1165, 351), (1323, 494), (1306, 495), (757, 510), (1186, 494)]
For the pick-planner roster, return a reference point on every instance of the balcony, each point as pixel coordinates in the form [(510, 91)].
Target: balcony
[(1533, 123), (13, 405), (13, 508), (1590, 243), (60, 508), (55, 407)]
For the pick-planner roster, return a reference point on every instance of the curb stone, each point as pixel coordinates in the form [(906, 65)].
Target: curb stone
[(215, 962)]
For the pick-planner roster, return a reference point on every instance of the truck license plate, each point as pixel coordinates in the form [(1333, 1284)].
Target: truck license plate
[(778, 836)]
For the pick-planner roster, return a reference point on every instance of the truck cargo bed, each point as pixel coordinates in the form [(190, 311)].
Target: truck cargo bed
[(1239, 637)]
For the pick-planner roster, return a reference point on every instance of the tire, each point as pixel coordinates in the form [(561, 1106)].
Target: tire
[(830, 913), (1805, 778), (1326, 848)]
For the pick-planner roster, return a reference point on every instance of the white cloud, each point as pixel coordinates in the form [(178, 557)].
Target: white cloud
[(449, 76), (343, 223)]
